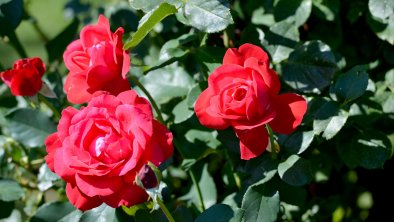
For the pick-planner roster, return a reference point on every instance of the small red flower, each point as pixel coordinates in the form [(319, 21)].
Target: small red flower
[(97, 62), (244, 93), (24, 79)]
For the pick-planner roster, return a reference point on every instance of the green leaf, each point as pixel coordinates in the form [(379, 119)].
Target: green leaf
[(10, 190), (295, 171), (310, 67), (352, 84), (297, 10), (10, 15), (167, 83), (6, 209), (207, 187), (207, 15), (261, 203), (182, 213), (281, 40), (57, 45), (182, 112), (173, 48), (381, 9), (384, 31), (210, 57), (102, 213), (148, 5), (369, 149), (206, 137), (46, 177), (153, 18), (54, 211), (297, 142), (326, 9), (216, 213), (329, 119), (194, 93), (29, 126)]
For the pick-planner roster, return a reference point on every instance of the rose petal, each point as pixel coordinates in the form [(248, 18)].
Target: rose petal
[(161, 148), (94, 185), (26, 82), (253, 142), (225, 75), (93, 34), (290, 109), (80, 200), (76, 88), (129, 195), (52, 143), (202, 103), (247, 50), (270, 77)]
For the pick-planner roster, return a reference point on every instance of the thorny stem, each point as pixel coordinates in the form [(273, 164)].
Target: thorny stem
[(152, 101)]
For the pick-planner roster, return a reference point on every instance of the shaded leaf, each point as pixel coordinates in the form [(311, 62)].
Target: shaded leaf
[(172, 49), (10, 190), (101, 213), (295, 171), (54, 211), (30, 127), (297, 142), (10, 15), (216, 213), (182, 112), (310, 67), (297, 10), (261, 203), (329, 119), (381, 9), (370, 150), (352, 84)]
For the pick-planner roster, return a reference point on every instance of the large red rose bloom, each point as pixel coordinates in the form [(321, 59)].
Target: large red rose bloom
[(99, 149), (97, 62), (243, 93)]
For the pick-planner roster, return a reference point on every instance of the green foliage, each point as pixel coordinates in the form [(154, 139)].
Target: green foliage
[(337, 54)]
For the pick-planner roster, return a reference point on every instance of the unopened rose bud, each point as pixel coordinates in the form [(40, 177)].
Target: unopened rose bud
[(147, 177)]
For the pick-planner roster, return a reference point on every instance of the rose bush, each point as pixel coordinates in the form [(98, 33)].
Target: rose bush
[(97, 62), (99, 149), (243, 93), (24, 79)]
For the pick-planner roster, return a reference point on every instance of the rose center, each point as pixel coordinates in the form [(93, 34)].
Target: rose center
[(239, 93), (98, 146), (94, 50)]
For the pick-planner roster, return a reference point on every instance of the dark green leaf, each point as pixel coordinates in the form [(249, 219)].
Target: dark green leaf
[(10, 15), (207, 15), (102, 213), (30, 127), (381, 9), (326, 9), (194, 93), (148, 5), (167, 83), (310, 67), (261, 203), (149, 22), (54, 211), (352, 84), (182, 214), (148, 216), (329, 119), (370, 150), (216, 213), (295, 171), (297, 142), (6, 208), (297, 10), (10, 190), (281, 40), (57, 45), (210, 57)]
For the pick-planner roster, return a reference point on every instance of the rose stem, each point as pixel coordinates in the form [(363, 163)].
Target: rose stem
[(272, 141), (198, 189), (164, 209), (152, 101), (17, 44), (46, 102)]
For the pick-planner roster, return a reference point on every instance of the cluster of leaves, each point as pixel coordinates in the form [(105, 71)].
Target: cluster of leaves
[(338, 54)]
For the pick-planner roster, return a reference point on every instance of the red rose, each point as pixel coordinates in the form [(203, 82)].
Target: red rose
[(97, 62), (99, 149), (25, 77), (243, 93)]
